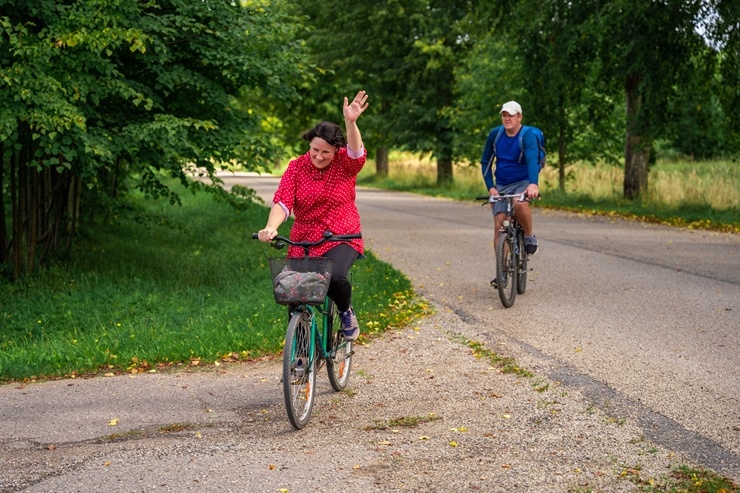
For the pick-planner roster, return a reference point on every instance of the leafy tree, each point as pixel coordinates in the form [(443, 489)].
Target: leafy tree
[(538, 53), (723, 31), (403, 52), (573, 65), (644, 47), (557, 53), (699, 127), (95, 93)]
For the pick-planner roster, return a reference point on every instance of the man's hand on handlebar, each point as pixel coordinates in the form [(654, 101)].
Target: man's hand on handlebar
[(532, 191)]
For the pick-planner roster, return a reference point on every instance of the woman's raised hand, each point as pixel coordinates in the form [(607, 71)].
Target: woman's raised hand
[(352, 111)]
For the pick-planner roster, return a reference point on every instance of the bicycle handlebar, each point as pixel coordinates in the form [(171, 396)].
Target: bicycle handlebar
[(491, 199), (280, 241)]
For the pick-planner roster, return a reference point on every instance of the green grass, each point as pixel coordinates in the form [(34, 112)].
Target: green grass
[(188, 286), (698, 195), (683, 479)]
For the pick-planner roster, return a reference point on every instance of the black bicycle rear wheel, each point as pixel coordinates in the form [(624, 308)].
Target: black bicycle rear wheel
[(521, 283), (299, 370), (340, 351), (506, 269)]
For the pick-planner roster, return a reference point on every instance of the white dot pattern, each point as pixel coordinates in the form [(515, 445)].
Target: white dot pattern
[(321, 200)]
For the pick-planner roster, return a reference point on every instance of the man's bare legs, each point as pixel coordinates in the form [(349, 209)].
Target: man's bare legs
[(524, 216)]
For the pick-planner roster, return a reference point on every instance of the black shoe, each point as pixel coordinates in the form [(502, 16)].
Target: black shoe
[(530, 244), (494, 282)]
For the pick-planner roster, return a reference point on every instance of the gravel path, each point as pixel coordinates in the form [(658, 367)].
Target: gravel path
[(478, 429)]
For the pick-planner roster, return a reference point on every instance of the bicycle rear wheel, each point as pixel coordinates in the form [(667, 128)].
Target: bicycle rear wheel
[(299, 369), (340, 351), (521, 283), (506, 269)]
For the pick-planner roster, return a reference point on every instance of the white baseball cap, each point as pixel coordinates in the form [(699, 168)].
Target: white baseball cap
[(512, 108)]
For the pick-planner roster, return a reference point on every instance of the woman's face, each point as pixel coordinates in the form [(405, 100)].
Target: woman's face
[(321, 152)]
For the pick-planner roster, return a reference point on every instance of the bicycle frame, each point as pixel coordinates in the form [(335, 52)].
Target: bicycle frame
[(318, 335)]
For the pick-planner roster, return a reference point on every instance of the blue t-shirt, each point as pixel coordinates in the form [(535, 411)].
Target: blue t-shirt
[(508, 168)]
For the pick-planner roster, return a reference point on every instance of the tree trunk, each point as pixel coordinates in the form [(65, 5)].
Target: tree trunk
[(561, 149), (38, 208), (637, 146), (444, 170), (3, 225), (73, 212), (381, 162), (16, 206), (33, 218)]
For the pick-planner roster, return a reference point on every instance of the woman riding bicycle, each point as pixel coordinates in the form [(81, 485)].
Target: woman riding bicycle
[(319, 189)]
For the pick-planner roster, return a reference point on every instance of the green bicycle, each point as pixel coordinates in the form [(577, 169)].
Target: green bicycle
[(314, 336)]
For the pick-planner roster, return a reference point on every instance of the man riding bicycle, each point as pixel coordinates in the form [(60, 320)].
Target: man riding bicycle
[(511, 175)]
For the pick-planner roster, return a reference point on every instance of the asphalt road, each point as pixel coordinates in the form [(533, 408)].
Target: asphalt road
[(636, 327), (642, 318)]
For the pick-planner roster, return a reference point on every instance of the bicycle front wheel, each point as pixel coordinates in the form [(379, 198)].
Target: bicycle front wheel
[(299, 369), (521, 283), (340, 351), (506, 269)]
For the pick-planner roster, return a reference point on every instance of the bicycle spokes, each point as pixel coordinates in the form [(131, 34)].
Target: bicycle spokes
[(299, 369)]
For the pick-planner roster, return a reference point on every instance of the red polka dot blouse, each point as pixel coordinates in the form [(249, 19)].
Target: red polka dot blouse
[(322, 200)]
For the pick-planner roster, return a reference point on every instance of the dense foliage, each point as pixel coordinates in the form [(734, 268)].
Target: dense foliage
[(100, 95), (606, 80)]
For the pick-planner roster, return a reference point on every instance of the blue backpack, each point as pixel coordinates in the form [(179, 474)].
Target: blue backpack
[(541, 153)]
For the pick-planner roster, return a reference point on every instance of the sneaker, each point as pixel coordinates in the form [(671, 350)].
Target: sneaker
[(350, 327), (530, 244)]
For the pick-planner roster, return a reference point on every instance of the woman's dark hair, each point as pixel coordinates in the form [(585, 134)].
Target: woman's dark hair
[(328, 131)]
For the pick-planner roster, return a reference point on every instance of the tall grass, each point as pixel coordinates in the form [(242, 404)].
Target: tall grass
[(682, 193), (188, 285)]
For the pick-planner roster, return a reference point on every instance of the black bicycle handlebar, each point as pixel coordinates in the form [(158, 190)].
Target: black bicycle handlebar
[(280, 241)]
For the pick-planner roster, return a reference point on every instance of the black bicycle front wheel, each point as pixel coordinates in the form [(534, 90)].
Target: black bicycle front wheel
[(299, 369), (340, 351), (521, 283), (506, 269)]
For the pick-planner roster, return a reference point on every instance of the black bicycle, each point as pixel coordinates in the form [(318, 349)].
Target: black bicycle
[(511, 256), (314, 335)]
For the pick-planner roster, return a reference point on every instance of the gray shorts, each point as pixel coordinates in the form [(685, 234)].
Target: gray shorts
[(518, 187)]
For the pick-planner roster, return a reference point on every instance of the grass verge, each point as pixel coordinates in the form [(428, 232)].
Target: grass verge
[(188, 286)]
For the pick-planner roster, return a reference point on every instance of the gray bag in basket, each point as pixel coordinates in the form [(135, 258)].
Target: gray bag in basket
[(300, 287)]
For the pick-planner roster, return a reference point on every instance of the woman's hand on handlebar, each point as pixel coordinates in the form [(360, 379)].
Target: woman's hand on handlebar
[(266, 235)]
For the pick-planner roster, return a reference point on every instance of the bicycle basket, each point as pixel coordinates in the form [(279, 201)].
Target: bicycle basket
[(300, 280)]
